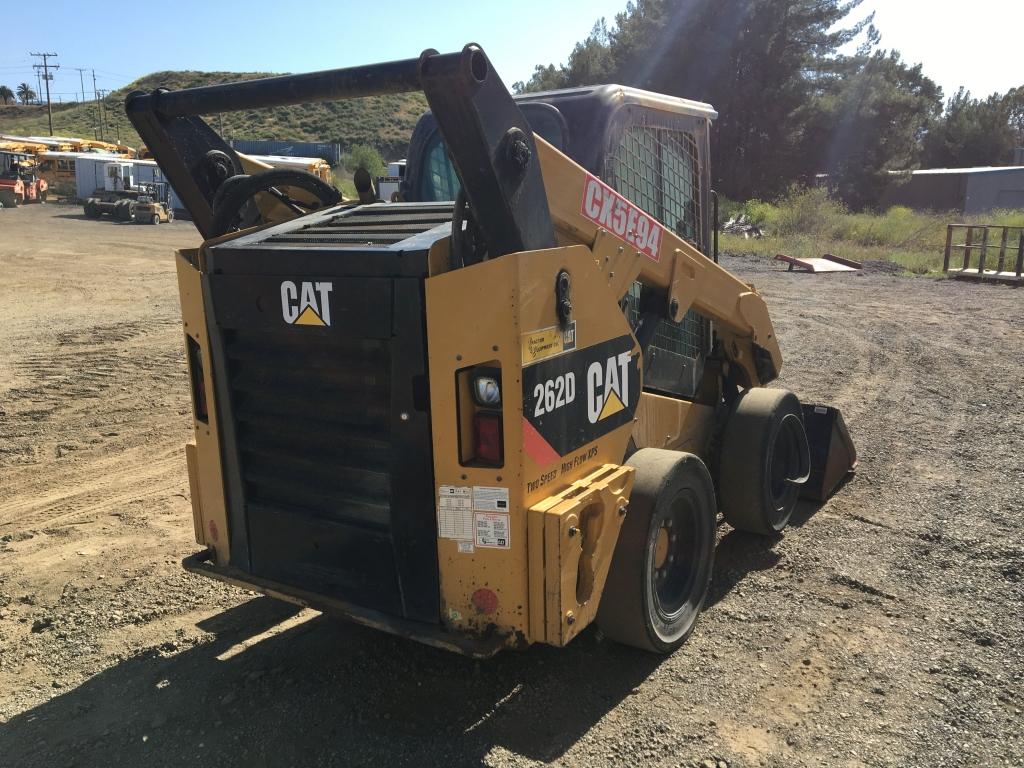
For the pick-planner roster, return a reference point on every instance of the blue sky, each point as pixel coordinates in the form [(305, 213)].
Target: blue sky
[(279, 36)]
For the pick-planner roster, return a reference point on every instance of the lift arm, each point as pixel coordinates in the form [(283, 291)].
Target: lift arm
[(631, 245), (489, 140)]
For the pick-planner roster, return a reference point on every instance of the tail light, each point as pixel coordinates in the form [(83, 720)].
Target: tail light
[(488, 445), (481, 435), (198, 376)]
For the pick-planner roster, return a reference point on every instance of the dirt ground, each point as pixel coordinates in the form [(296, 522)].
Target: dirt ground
[(885, 628)]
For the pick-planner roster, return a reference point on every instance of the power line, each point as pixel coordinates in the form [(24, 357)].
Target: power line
[(46, 66)]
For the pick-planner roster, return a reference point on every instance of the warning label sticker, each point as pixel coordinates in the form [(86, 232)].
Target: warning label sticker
[(492, 530), (607, 208), (488, 499), (548, 342), (455, 512)]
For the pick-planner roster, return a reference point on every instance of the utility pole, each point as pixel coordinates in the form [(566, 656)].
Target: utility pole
[(99, 105), (81, 81), (46, 67)]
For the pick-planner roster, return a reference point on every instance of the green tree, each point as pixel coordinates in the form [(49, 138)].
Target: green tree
[(544, 78), (6, 94), (25, 93), (868, 121), (366, 157), (759, 62), (973, 132)]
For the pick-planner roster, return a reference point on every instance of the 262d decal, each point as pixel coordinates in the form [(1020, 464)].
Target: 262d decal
[(575, 398)]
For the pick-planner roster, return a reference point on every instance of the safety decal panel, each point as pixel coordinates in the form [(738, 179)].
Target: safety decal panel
[(575, 398)]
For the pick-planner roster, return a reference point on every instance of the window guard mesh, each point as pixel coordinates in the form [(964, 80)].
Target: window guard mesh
[(657, 169)]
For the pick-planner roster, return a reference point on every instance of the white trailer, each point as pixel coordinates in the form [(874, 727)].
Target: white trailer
[(91, 173)]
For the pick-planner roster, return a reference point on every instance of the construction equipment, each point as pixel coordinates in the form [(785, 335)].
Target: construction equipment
[(496, 414), (20, 183), (119, 195), (151, 206)]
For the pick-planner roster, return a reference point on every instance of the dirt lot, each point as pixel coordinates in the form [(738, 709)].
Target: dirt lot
[(885, 628)]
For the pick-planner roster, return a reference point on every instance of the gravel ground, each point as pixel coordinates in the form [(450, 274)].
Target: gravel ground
[(885, 627)]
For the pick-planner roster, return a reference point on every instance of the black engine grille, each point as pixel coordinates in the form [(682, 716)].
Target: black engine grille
[(381, 224), (326, 430), (312, 423), (312, 426)]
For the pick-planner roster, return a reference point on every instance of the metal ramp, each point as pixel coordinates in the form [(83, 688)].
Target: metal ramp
[(827, 263)]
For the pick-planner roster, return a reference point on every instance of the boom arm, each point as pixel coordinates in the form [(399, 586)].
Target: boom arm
[(631, 245)]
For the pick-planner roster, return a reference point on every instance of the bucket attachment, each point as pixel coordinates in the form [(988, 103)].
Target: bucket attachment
[(833, 455)]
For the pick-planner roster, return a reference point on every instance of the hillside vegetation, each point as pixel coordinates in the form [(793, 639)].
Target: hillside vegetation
[(385, 122)]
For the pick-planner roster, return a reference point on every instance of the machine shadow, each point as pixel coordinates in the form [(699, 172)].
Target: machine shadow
[(324, 692), (737, 554), (83, 217)]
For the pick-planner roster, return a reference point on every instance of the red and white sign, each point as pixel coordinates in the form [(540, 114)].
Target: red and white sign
[(607, 208)]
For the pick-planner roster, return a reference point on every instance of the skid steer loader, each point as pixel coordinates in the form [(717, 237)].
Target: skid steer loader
[(501, 410)]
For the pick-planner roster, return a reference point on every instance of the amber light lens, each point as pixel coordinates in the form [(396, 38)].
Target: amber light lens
[(487, 438)]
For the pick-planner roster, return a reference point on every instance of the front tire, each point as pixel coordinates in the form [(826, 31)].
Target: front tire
[(661, 568), (763, 461)]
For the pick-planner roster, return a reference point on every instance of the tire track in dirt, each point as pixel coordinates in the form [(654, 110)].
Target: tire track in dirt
[(91, 490)]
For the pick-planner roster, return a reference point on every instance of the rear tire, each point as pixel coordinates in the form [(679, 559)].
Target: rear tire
[(91, 210), (763, 461), (155, 219), (661, 568)]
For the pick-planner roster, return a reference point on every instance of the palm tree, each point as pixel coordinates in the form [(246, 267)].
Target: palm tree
[(6, 94), (25, 93)]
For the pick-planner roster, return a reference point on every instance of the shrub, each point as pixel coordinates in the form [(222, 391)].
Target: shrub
[(810, 212), (366, 157)]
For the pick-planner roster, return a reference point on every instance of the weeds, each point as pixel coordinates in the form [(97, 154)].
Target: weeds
[(807, 223)]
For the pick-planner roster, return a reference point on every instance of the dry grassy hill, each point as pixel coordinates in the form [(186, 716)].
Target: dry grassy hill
[(385, 122)]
